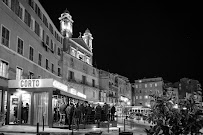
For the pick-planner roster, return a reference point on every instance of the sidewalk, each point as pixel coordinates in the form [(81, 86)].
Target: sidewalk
[(56, 131)]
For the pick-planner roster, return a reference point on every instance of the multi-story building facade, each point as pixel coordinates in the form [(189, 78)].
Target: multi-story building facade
[(143, 88), (172, 92), (187, 87), (79, 74), (108, 87), (124, 90), (38, 68)]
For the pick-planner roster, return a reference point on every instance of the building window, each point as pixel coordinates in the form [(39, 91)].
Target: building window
[(40, 59), (19, 73), (31, 75), (21, 11), (59, 71), (5, 33), (47, 40), (15, 6), (31, 3), (146, 97), (32, 25), (136, 97), (93, 83), (31, 54), (52, 45), (59, 51), (3, 69), (140, 97), (150, 84), (27, 18), (7, 2), (20, 46), (83, 79), (47, 64), (45, 21), (140, 91), (136, 86), (145, 85), (37, 29), (52, 68), (140, 85), (71, 75), (155, 84), (93, 94)]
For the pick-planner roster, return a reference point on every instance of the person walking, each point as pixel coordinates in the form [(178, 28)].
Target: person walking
[(69, 112)]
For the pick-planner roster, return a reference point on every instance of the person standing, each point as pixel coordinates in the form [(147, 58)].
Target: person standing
[(77, 115), (113, 110), (98, 111), (106, 111)]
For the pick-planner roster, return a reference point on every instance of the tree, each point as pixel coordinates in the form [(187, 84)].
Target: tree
[(167, 120)]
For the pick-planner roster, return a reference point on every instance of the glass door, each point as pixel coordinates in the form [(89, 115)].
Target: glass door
[(20, 110), (41, 108)]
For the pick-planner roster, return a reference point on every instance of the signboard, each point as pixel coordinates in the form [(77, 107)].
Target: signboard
[(14, 101), (29, 83)]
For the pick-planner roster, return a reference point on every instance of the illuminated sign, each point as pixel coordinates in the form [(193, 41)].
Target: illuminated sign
[(124, 99), (73, 91), (29, 83), (81, 95), (60, 86)]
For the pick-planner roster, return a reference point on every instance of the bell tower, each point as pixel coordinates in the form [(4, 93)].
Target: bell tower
[(87, 37), (66, 24)]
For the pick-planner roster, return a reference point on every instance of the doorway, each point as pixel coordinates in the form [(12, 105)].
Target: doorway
[(20, 107)]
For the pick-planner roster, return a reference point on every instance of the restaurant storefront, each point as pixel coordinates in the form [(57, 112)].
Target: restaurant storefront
[(32, 100)]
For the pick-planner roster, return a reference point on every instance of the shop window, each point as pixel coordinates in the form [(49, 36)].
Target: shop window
[(5, 36), (3, 69), (41, 107)]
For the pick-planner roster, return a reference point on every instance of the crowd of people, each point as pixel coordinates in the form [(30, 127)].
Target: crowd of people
[(83, 113)]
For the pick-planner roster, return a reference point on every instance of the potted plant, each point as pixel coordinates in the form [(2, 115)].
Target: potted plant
[(2, 119)]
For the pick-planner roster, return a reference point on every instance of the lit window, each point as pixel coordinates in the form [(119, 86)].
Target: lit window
[(155, 84), (3, 69), (136, 97), (145, 85), (5, 36), (146, 97), (19, 73)]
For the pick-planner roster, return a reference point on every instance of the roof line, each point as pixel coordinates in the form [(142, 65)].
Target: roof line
[(81, 46)]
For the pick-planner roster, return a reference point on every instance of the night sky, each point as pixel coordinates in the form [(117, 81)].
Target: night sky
[(139, 40)]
